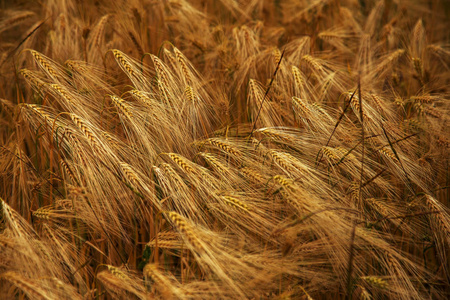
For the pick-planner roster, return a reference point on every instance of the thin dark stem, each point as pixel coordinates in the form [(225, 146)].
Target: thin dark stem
[(397, 156), (336, 125), (361, 115), (267, 92), (350, 263)]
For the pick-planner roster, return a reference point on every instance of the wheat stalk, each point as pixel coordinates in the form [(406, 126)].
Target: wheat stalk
[(182, 162), (31, 289), (184, 67), (124, 107), (32, 80), (81, 124), (45, 64), (123, 62), (186, 231), (375, 281), (253, 175), (235, 202)]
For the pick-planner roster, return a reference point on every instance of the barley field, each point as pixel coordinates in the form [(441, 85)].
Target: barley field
[(229, 149)]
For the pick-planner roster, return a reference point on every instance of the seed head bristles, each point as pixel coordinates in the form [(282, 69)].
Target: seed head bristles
[(62, 92), (425, 98), (77, 144), (141, 96), (151, 272), (163, 76), (124, 64), (215, 163), (163, 90), (40, 112), (111, 139), (44, 63), (8, 106), (344, 153), (72, 136), (162, 179), (386, 152), (33, 80), (43, 212), (171, 174), (236, 203), (64, 204), (432, 111), (32, 290), (330, 154), (182, 162), (253, 175), (258, 146), (363, 293), (186, 231), (15, 19), (131, 176), (260, 98), (378, 205), (394, 264), (327, 83), (354, 191), (314, 64), (161, 69), (300, 106), (68, 170), (335, 33), (76, 66), (85, 129), (169, 244), (439, 51), (318, 108), (109, 281), (417, 63), (182, 61), (289, 191), (298, 77), (419, 108), (286, 183), (254, 92), (387, 61), (418, 38), (62, 210), (14, 221), (122, 105), (136, 43), (412, 124), (166, 240), (172, 59), (282, 159), (97, 33), (399, 102), (276, 56), (375, 281), (225, 146), (167, 286), (354, 103), (378, 102), (442, 218), (275, 134), (117, 272), (118, 285), (190, 94)]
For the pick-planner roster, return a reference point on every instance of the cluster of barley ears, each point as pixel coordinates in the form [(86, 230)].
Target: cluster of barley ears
[(224, 149)]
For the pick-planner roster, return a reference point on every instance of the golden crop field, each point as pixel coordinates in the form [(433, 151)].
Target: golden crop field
[(224, 149)]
